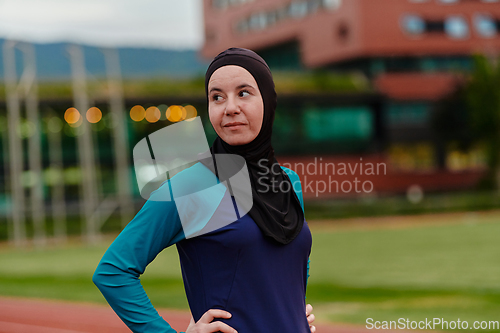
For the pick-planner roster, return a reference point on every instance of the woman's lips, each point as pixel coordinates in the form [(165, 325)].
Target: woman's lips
[(234, 126)]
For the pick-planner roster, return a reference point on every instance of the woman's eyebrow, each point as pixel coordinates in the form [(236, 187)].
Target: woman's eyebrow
[(241, 86), (214, 88), (244, 85)]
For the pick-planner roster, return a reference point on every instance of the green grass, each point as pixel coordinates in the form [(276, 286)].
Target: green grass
[(66, 273), (429, 271), (445, 271)]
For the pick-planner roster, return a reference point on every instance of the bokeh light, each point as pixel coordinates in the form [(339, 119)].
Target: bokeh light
[(72, 116), (415, 194), (94, 115), (153, 114), (26, 129), (176, 113), (29, 178), (137, 113), (54, 125), (191, 112), (73, 176), (53, 176)]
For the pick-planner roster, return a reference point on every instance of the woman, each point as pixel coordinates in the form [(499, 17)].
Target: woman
[(249, 275)]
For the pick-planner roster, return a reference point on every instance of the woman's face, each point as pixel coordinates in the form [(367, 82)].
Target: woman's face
[(235, 106)]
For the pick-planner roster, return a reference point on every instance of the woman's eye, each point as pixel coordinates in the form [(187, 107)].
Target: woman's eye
[(216, 97), (244, 93)]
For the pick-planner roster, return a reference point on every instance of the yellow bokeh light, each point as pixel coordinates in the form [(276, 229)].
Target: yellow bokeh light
[(94, 115), (137, 113), (72, 116), (191, 112), (176, 113), (153, 114)]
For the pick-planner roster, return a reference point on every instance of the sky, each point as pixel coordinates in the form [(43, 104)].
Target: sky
[(167, 24)]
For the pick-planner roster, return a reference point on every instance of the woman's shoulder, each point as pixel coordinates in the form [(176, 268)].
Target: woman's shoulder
[(296, 185), (192, 179), (291, 174)]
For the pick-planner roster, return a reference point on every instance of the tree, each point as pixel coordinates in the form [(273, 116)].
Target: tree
[(482, 94), (471, 114)]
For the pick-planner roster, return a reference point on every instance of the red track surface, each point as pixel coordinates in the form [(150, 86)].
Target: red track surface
[(41, 316)]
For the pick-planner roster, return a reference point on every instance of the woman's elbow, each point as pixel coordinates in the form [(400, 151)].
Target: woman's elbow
[(109, 275), (105, 275), (98, 277)]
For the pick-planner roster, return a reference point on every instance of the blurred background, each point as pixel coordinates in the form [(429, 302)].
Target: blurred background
[(389, 111)]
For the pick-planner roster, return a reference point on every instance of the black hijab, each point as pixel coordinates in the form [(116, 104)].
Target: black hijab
[(276, 208)]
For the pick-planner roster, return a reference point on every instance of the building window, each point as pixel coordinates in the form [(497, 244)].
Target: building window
[(297, 9), (281, 13), (294, 10), (413, 24), (314, 5), (272, 17), (456, 27), (257, 21), (332, 4), (223, 4), (485, 25), (407, 113), (242, 26), (285, 56), (338, 124), (434, 26), (343, 31)]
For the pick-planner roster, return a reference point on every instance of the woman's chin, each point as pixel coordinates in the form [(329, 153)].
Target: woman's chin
[(238, 140), (238, 143)]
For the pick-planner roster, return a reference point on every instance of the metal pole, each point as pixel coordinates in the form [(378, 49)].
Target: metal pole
[(120, 134), (58, 193), (6, 187), (85, 144), (28, 82), (15, 144)]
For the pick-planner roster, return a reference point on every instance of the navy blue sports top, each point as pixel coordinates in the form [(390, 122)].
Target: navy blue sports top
[(235, 268)]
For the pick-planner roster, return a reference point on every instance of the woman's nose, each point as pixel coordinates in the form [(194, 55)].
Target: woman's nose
[(232, 106)]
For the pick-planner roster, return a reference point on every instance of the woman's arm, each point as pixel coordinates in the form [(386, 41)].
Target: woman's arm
[(155, 227)]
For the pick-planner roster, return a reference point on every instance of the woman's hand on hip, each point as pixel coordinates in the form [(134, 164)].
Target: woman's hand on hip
[(310, 317), (205, 324)]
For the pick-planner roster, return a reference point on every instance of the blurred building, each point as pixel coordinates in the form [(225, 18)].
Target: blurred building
[(376, 36), (412, 51)]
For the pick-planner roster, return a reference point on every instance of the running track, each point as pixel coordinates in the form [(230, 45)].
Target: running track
[(41, 316)]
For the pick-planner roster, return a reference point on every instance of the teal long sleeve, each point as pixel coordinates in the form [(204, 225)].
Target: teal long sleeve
[(155, 227)]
